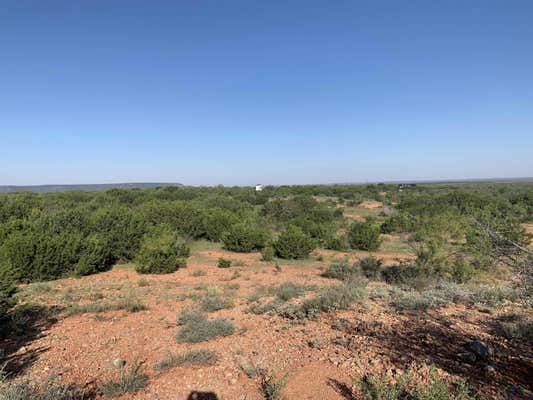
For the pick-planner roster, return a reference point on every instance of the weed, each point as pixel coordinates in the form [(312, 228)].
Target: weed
[(130, 381), (195, 327), (191, 358)]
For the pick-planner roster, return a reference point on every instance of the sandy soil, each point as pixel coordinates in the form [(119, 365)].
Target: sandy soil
[(345, 345)]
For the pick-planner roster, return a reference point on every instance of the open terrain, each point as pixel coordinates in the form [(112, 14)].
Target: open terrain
[(230, 325)]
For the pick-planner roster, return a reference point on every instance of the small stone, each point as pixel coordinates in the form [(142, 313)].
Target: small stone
[(481, 349), (489, 370), (119, 363)]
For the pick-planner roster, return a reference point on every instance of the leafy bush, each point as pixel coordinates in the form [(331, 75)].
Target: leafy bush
[(7, 290), (371, 267), (96, 256), (224, 263), (293, 244), (268, 254), (364, 236), (336, 243), (245, 238), (161, 252), (217, 222)]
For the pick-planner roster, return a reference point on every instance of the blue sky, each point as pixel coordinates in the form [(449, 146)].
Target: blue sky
[(240, 92)]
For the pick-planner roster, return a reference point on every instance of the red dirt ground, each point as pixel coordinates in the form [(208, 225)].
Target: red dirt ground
[(368, 338)]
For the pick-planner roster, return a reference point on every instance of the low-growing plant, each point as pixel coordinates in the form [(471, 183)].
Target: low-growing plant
[(131, 380), (195, 327), (272, 386), (289, 290), (216, 303), (409, 386), (48, 390), (224, 263), (341, 270), (129, 303), (370, 267), (338, 297), (191, 358)]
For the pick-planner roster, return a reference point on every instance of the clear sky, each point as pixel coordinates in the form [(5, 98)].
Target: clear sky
[(241, 92)]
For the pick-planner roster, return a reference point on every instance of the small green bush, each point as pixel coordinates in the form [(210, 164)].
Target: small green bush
[(224, 263), (364, 236), (245, 238), (161, 252), (268, 254), (371, 267), (294, 244), (97, 256), (341, 270), (336, 243)]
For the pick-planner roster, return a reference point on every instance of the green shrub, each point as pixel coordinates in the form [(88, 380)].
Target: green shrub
[(519, 330), (371, 267), (245, 238), (217, 222), (336, 243), (401, 274), (272, 387), (294, 244), (364, 236), (224, 263), (130, 381), (341, 270), (413, 300), (161, 252), (96, 256), (268, 254)]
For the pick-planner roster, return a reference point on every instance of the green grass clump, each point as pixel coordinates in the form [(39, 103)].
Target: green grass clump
[(191, 358), (288, 290), (130, 381), (131, 304), (195, 327), (338, 297), (49, 390), (216, 303), (224, 263)]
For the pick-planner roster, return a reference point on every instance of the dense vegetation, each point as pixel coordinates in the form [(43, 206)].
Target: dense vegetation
[(455, 231)]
